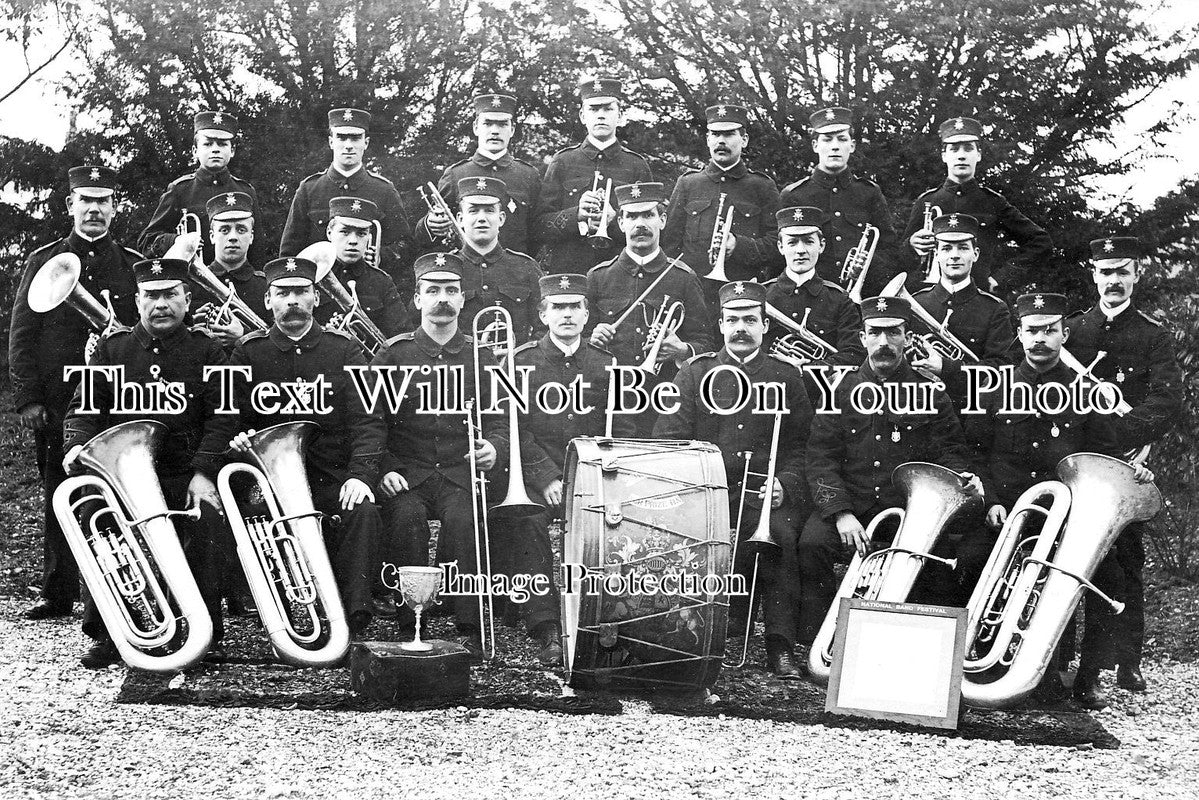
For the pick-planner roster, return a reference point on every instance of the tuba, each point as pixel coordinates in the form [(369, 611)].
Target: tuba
[(934, 496), (720, 234), (799, 345), (353, 320), (1033, 581), (857, 263), (283, 553), (57, 282), (129, 555), (939, 338)]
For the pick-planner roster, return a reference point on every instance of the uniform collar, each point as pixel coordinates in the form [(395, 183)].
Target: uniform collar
[(596, 147), (813, 284), (905, 373), (148, 340), (738, 170), (950, 183), (220, 175), (305, 342), (333, 173), (475, 257), (342, 267), (79, 243), (643, 261), (828, 179), (1111, 314), (243, 273), (484, 160), (432, 349), (750, 365), (561, 347), (941, 294), (1059, 373)]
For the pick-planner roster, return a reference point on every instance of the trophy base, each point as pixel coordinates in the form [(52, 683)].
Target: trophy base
[(416, 647), (387, 672)]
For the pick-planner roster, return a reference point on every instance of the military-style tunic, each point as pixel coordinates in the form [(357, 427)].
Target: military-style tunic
[(570, 173), (834, 317), (849, 203), (1001, 226), (524, 191), (191, 193), (503, 277), (980, 320), (692, 217), (376, 292)]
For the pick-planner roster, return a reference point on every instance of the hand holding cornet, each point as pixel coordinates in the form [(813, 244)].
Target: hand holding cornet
[(439, 223), (673, 349), (186, 246), (930, 361), (591, 204), (922, 241)]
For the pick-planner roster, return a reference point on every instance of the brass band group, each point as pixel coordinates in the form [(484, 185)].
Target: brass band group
[(201, 430)]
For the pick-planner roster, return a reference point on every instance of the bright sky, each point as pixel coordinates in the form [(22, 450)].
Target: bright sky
[(41, 112)]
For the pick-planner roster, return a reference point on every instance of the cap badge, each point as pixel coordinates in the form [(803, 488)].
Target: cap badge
[(94, 174), (798, 215), (1108, 246), (440, 260), (1038, 302), (958, 124), (739, 288), (635, 191), (721, 111), (356, 205), (230, 200), (881, 305), (953, 220), (597, 86), (291, 265), (481, 184), (830, 114), (347, 115), (495, 101), (218, 118), (564, 283), (156, 267)]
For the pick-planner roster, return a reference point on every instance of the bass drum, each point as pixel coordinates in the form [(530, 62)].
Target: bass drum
[(645, 511)]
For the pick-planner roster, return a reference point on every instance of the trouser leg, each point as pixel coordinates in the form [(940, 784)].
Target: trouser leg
[(60, 574), (819, 548), (1130, 557), (353, 546), (522, 546), (779, 577), (452, 505), (1098, 648)]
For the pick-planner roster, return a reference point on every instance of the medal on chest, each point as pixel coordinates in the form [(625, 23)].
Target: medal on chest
[(895, 437), (1055, 431), (1120, 375)]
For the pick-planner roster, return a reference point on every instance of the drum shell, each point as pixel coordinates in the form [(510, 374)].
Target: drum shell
[(645, 506)]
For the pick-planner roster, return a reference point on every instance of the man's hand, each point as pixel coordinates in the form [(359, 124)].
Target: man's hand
[(70, 462), (484, 455), (776, 497), (974, 484), (439, 224), (392, 484), (553, 494), (591, 203), (33, 417), (730, 244), (1142, 473), (228, 332), (241, 442), (186, 245), (933, 362), (202, 490), (603, 334), (673, 349), (922, 242), (851, 532), (353, 492), (996, 516)]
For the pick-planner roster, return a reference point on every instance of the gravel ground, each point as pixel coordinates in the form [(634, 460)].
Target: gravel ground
[(66, 737)]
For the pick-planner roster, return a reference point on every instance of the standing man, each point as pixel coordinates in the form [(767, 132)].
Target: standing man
[(613, 287), (426, 466), (571, 218), (742, 324), (41, 344), (308, 363), (849, 202), (999, 222), (852, 454), (307, 222), (351, 222), (823, 307), (159, 348), (494, 125), (215, 146), (703, 198), (1140, 359), (977, 318)]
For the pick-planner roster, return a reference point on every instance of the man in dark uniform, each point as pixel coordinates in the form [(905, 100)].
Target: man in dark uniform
[(231, 230), (351, 220), (426, 467), (342, 460), (703, 198), (1001, 225), (40, 344), (1140, 359), (1014, 451), (215, 134), (823, 307), (613, 287), (570, 212), (494, 126), (743, 323), (977, 318), (849, 202), (851, 456), (158, 349), (307, 222)]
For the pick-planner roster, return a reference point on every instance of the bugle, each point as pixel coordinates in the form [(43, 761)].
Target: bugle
[(934, 495), (436, 202), (1032, 583), (282, 551), (939, 338), (799, 346), (928, 261), (857, 263), (130, 556), (353, 319), (57, 282), (720, 235)]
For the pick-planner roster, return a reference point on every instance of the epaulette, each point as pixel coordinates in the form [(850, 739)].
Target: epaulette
[(630, 151), (1076, 314), (607, 263), (526, 346), (458, 164), (772, 281), (928, 191), (994, 297), (526, 163), (239, 179), (200, 329), (383, 178), (182, 178), (525, 256), (797, 184), (679, 263), (924, 289), (132, 252), (48, 244), (864, 179), (313, 176), (991, 191), (575, 146), (252, 335), (116, 331), (375, 269), (1150, 319), (599, 349), (697, 357), (763, 173), (401, 337), (832, 285), (341, 333)]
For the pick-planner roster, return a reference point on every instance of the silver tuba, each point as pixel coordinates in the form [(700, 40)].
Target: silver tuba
[(1033, 581), (57, 282), (934, 496), (129, 555), (283, 553)]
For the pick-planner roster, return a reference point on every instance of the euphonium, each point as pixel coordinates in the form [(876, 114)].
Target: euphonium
[(666, 322), (721, 229), (799, 346), (283, 552), (57, 282), (354, 319), (1032, 584), (857, 263), (231, 305), (130, 556), (934, 496), (436, 202), (939, 338)]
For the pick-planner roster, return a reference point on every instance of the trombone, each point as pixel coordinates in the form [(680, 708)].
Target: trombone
[(928, 264), (720, 234), (599, 237), (436, 202), (799, 346), (353, 319), (857, 263), (939, 338)]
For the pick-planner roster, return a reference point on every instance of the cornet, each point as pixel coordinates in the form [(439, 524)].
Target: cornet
[(799, 346), (436, 202), (353, 319), (857, 263), (188, 223), (666, 322), (598, 236), (720, 234), (928, 263), (939, 338)]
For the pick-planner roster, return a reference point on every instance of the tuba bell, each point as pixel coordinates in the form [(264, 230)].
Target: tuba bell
[(283, 552), (353, 319), (129, 555), (57, 282), (1032, 582), (934, 496)]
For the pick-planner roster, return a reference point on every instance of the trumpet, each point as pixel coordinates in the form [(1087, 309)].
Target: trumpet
[(665, 323), (188, 223), (720, 234), (375, 243), (436, 202), (283, 552), (1033, 582), (599, 237), (231, 305), (353, 320), (934, 496), (928, 264), (129, 555), (1110, 393), (939, 338), (57, 282), (857, 263), (799, 346)]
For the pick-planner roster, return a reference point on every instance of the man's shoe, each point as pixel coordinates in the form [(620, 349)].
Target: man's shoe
[(473, 644), (239, 608), (1130, 678), (550, 639), (216, 654), (48, 609), (780, 660), (1086, 691), (100, 655)]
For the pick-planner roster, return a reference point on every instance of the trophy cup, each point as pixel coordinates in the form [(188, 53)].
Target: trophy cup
[(419, 587)]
